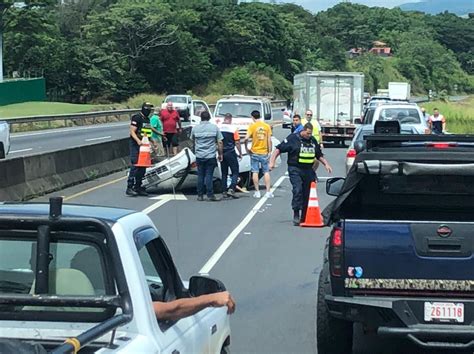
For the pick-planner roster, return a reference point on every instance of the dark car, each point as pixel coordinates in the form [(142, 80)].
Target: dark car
[(399, 259)]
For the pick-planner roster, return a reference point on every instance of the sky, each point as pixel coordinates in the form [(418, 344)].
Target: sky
[(320, 5)]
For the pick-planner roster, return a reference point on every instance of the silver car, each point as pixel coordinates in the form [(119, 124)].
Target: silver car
[(406, 114)]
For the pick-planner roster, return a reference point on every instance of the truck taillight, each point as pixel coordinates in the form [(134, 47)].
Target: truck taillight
[(351, 153), (441, 145), (336, 252)]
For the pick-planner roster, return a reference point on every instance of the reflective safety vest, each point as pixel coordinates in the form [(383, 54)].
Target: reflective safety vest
[(146, 130), (307, 153)]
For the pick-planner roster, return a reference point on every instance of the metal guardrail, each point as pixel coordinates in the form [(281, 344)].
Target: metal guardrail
[(94, 115)]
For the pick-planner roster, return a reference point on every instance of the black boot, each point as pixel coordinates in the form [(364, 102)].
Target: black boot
[(296, 217)]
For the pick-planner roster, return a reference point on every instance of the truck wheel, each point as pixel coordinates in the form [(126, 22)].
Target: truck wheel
[(2, 152), (333, 335)]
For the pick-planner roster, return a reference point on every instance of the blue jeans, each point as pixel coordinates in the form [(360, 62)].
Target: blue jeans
[(229, 160), (205, 169), (258, 162)]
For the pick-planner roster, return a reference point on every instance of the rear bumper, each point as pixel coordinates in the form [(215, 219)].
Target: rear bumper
[(404, 318)]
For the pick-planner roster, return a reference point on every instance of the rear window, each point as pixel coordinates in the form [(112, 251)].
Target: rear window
[(238, 109), (176, 99), (76, 268), (403, 115)]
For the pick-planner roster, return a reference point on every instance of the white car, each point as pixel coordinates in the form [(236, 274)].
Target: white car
[(182, 103), (4, 139), (241, 107), (405, 114)]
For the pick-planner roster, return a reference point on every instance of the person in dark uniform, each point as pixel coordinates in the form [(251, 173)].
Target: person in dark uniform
[(137, 124), (230, 159), (304, 153)]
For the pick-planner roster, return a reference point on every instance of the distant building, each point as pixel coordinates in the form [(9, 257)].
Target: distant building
[(378, 48)]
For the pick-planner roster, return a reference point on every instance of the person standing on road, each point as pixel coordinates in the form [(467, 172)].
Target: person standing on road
[(437, 122), (261, 135), (170, 118), (135, 176), (317, 132), (303, 153), (207, 142), (230, 160), (157, 135), (426, 116), (296, 126)]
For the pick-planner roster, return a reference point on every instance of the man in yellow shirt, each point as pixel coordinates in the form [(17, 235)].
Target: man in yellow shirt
[(261, 135), (317, 133)]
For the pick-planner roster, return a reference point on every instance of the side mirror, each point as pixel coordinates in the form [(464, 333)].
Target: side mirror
[(334, 186), (199, 285), (359, 146), (358, 121), (268, 116)]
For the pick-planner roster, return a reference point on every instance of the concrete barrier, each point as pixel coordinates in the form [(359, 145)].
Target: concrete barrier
[(27, 177)]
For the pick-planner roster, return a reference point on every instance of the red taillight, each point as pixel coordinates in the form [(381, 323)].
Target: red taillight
[(336, 252), (336, 237), (441, 145), (351, 153)]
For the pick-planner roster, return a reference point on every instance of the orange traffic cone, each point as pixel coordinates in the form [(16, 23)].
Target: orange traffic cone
[(313, 213), (144, 156)]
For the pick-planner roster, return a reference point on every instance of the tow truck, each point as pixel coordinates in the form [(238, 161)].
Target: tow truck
[(83, 278)]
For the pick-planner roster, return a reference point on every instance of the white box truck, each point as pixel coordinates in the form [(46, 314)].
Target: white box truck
[(336, 99), (399, 91)]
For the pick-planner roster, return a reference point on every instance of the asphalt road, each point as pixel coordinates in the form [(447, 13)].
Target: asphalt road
[(271, 267), (23, 144)]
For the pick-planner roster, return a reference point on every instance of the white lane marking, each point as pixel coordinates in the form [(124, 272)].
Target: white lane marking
[(99, 138), (163, 199), (237, 231), (22, 150), (54, 131)]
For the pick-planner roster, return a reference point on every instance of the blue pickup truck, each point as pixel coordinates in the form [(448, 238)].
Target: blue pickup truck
[(399, 259)]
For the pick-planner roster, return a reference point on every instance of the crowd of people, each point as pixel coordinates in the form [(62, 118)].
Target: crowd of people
[(214, 145)]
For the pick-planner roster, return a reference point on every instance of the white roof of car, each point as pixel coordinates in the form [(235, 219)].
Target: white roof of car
[(238, 98)]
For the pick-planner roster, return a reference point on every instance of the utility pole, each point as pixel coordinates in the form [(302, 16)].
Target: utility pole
[(3, 8)]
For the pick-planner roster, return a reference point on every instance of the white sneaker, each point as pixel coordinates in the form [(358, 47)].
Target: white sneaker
[(269, 195), (257, 194)]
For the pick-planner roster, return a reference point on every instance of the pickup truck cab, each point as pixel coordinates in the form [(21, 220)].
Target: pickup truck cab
[(404, 113), (78, 276), (241, 107), (4, 139), (182, 103), (400, 255)]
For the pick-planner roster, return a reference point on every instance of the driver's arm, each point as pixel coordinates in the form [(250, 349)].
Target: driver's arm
[(177, 309)]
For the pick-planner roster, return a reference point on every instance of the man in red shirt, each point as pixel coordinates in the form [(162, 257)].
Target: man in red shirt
[(169, 117)]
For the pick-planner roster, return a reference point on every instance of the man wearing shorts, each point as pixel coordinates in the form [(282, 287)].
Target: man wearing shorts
[(170, 117), (261, 135)]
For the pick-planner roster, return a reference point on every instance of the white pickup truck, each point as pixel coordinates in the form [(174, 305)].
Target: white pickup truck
[(4, 139), (84, 277)]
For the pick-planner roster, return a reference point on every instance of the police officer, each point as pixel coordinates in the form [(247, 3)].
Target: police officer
[(139, 126), (303, 155)]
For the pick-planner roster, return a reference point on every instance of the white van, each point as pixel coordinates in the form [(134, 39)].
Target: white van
[(241, 107)]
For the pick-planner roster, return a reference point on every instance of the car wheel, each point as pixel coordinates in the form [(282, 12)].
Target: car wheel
[(333, 335), (2, 152)]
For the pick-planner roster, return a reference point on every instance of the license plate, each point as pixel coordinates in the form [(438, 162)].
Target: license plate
[(444, 312), (334, 131)]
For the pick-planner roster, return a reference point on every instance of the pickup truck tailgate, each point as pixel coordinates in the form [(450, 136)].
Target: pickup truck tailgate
[(403, 257)]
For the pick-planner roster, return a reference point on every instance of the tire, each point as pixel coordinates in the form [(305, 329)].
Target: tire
[(333, 335), (2, 151)]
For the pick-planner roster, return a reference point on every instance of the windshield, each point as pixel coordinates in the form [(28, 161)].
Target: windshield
[(176, 99), (403, 115), (238, 109)]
